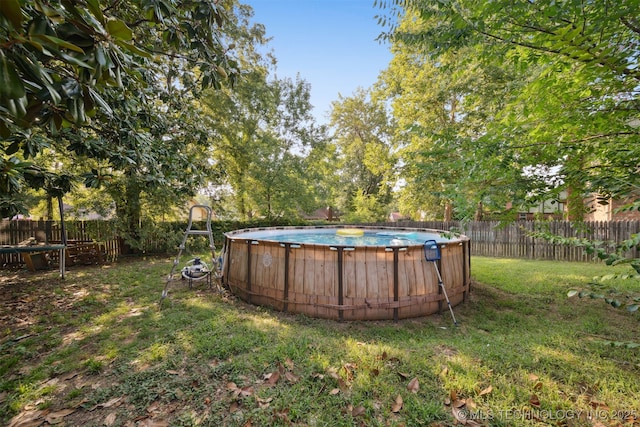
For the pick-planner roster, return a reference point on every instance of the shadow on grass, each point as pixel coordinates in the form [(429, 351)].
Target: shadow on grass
[(98, 345)]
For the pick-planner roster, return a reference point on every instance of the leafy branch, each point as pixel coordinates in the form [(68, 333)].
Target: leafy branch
[(611, 254)]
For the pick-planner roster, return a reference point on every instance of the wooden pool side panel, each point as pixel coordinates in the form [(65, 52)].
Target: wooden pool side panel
[(346, 283)]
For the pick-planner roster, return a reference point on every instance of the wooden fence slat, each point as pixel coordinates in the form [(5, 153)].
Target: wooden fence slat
[(493, 239)]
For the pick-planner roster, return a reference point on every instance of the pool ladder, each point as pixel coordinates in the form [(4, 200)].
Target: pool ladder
[(216, 266)]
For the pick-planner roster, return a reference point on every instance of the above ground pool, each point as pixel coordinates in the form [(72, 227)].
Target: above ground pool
[(346, 273)]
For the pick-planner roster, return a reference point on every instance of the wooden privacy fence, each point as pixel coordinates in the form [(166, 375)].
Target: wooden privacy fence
[(488, 238), (513, 240), (48, 232)]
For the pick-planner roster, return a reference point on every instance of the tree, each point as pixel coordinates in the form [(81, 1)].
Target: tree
[(575, 109), (363, 135), (265, 129), (442, 106), (63, 64)]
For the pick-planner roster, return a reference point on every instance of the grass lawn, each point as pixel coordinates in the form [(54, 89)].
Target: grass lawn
[(95, 349)]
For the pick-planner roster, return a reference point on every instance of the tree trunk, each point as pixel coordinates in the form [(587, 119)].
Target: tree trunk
[(448, 211), (575, 204), (49, 208), (269, 213), (479, 212), (575, 192), (129, 211)]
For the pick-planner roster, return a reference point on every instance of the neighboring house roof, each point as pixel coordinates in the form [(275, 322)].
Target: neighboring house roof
[(396, 216), (327, 214), (83, 214)]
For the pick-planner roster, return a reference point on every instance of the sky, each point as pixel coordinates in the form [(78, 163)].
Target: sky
[(330, 43)]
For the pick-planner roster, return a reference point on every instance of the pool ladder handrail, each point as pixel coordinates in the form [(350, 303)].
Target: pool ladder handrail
[(215, 267)]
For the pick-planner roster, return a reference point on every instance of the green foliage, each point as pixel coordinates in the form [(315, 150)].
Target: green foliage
[(485, 91), (364, 160), (619, 255), (442, 105), (105, 85), (265, 128), (365, 208), (58, 57), (93, 366)]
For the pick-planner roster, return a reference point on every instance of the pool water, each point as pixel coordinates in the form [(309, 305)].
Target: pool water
[(367, 239)]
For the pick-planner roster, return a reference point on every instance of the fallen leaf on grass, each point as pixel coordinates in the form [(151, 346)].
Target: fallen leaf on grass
[(534, 401), (27, 419), (239, 392), (58, 416), (470, 403), (289, 364), (397, 405), (596, 404), (291, 377), (357, 411), (414, 385), (459, 403), (110, 420), (486, 391), (153, 423), (272, 378), (334, 391), (263, 403), (116, 401)]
